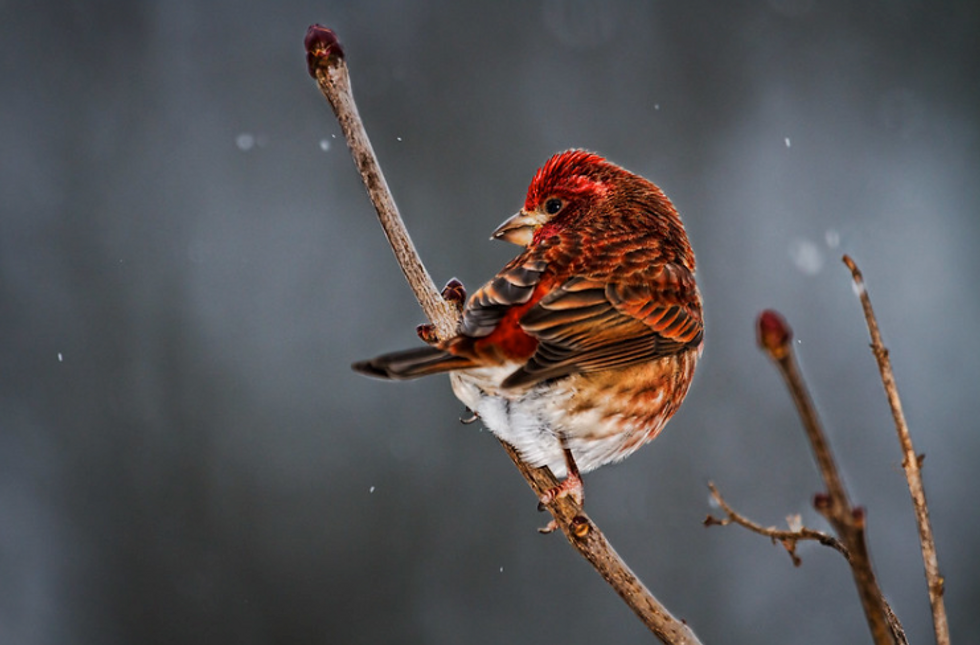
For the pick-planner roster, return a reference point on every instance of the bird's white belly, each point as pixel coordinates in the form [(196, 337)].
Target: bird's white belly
[(535, 421)]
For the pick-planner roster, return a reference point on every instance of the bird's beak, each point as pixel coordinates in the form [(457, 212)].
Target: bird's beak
[(519, 229)]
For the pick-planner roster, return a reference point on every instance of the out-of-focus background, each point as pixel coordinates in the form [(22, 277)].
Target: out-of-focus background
[(188, 264)]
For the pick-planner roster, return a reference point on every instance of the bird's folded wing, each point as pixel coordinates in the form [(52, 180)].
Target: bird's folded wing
[(587, 325), (513, 286)]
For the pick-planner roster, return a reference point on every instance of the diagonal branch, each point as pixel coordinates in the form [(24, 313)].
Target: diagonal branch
[(910, 462), (325, 58)]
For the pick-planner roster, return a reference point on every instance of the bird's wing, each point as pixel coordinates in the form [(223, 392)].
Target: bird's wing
[(512, 287), (585, 325)]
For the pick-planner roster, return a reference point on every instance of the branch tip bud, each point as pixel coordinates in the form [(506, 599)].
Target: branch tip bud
[(322, 46), (773, 334)]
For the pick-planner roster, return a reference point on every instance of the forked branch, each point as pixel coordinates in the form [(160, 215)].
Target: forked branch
[(775, 338)]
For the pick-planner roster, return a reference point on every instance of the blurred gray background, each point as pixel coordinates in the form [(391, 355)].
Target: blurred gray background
[(188, 264)]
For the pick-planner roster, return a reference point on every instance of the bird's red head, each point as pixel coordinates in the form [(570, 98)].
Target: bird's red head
[(580, 190), (562, 189), (569, 174)]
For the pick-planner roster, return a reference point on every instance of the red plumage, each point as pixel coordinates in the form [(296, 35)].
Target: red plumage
[(581, 348)]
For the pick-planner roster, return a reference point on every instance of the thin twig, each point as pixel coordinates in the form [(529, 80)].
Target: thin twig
[(325, 58), (910, 462), (326, 63), (788, 538), (775, 337)]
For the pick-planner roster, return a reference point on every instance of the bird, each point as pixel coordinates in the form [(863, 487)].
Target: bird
[(580, 349)]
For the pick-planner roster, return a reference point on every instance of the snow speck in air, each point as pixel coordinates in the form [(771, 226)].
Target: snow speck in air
[(656, 106), (61, 359), (324, 144), (245, 141), (788, 142), (371, 490), (399, 138), (501, 569), (806, 256), (833, 238)]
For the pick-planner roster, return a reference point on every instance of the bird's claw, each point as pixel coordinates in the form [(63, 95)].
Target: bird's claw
[(470, 419), (570, 487)]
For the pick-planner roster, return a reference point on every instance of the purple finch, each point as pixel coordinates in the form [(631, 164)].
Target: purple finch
[(582, 347)]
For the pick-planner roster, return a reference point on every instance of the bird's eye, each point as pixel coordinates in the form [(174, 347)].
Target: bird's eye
[(552, 206)]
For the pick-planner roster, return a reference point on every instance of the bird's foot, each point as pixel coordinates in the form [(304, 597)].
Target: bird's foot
[(570, 487)]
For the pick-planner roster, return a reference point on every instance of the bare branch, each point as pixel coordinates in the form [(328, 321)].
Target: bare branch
[(326, 63), (325, 58), (910, 462), (775, 338), (788, 538)]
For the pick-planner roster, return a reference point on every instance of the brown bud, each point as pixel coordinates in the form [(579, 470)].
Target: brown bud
[(773, 334), (321, 45), (580, 526), (427, 333), (822, 502), (454, 292), (858, 515)]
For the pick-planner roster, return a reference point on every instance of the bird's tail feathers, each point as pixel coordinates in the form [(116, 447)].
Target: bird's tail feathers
[(411, 363)]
